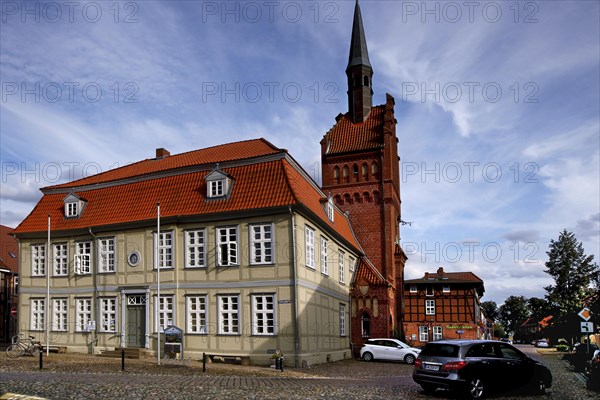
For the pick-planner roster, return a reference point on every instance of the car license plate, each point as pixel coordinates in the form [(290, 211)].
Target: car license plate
[(431, 367)]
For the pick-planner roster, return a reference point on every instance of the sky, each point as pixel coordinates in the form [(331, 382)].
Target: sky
[(497, 103)]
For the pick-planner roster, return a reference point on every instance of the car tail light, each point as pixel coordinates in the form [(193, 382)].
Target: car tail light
[(454, 365), (418, 363)]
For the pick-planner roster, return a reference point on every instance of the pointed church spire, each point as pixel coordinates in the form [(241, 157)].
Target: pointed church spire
[(359, 72)]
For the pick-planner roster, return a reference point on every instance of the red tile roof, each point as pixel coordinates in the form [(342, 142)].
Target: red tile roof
[(346, 136), (9, 249), (454, 277), (210, 155), (258, 184)]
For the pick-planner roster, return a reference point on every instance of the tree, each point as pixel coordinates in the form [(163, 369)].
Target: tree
[(490, 309), (539, 308), (573, 271), (513, 312)]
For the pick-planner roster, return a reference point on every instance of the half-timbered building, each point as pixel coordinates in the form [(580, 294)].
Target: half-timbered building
[(443, 305)]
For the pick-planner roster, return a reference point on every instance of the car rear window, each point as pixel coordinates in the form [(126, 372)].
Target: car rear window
[(440, 350)]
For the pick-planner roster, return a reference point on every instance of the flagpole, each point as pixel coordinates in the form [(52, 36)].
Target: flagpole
[(48, 291), (157, 262)]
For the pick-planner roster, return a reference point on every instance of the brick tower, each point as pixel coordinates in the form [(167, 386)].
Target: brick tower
[(360, 169)]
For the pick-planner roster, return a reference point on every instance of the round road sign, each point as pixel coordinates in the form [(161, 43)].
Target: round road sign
[(13, 311)]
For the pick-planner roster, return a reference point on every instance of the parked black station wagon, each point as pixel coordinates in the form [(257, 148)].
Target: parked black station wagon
[(478, 367)]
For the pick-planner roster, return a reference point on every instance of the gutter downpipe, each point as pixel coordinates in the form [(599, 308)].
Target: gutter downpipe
[(294, 287), (95, 283)]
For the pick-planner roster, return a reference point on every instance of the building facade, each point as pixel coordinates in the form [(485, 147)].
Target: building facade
[(248, 257), (9, 283), (360, 170), (444, 305)]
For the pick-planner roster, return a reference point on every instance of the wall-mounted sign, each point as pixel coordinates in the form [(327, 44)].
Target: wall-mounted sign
[(459, 327), (284, 301)]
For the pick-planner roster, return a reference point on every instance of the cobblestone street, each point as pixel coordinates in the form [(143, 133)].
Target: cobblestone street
[(69, 376)]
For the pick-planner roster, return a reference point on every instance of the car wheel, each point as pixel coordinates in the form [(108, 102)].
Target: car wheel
[(475, 388), (367, 356), (409, 359)]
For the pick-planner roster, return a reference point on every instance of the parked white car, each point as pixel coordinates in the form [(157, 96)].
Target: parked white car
[(541, 343), (388, 349)]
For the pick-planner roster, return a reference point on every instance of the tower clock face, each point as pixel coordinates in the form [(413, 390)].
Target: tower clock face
[(134, 258)]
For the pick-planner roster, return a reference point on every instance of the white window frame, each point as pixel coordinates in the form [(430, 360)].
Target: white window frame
[(38, 313), (342, 267), (165, 245), (429, 307), (342, 320), (195, 256), (72, 209), (324, 263), (261, 247), (264, 319), (351, 263), (83, 313), (38, 260), (423, 333), (106, 255), (83, 258), (60, 313), (330, 209), (228, 306), (166, 312), (446, 289), (228, 245), (197, 314), (60, 259), (310, 247), (437, 332), (413, 288), (217, 188), (108, 314)]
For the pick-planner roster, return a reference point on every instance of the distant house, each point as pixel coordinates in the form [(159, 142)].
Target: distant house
[(444, 305), (253, 258), (9, 282)]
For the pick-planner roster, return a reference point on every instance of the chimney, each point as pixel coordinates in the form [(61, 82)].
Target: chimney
[(162, 153), (426, 275), (440, 271)]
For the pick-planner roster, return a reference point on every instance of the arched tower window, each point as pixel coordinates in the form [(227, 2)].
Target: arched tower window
[(345, 173), (374, 169), (365, 172), (355, 172), (356, 82), (336, 175), (365, 325), (366, 81)]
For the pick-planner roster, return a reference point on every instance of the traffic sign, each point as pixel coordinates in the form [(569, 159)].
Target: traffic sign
[(13, 312), (585, 314), (587, 327)]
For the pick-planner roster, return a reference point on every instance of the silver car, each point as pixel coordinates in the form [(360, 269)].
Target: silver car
[(388, 349)]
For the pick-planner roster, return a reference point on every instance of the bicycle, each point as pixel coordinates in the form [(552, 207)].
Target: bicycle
[(23, 346)]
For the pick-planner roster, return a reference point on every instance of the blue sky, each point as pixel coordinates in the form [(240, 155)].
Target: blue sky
[(497, 105)]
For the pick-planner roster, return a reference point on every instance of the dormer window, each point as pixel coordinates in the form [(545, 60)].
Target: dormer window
[(218, 184), (216, 188), (330, 210), (73, 206), (71, 209)]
